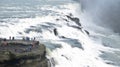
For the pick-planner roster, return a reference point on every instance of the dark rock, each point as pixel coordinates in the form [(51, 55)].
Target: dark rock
[(111, 63), (53, 61), (65, 19), (20, 32), (62, 36), (55, 32), (57, 19), (75, 19), (87, 32), (76, 27), (65, 57)]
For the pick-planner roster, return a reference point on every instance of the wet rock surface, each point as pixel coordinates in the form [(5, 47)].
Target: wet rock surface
[(19, 53)]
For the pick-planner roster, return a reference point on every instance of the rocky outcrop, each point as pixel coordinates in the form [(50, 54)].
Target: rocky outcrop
[(19, 53), (55, 32), (75, 19)]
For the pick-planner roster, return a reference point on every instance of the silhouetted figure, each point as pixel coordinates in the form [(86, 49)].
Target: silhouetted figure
[(29, 49), (23, 38), (4, 42), (10, 38), (34, 38), (4, 39), (33, 44), (27, 38), (13, 38)]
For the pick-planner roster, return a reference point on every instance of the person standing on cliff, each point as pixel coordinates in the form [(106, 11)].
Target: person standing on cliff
[(33, 44), (10, 38), (13, 38), (34, 39), (4, 42)]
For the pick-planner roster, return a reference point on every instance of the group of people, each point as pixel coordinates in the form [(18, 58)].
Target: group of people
[(28, 39), (11, 38), (4, 41), (31, 43), (24, 38)]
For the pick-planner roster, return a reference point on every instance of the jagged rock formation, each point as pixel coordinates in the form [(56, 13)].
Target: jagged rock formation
[(75, 19), (19, 53)]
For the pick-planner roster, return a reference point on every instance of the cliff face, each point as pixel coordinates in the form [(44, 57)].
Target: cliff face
[(22, 54)]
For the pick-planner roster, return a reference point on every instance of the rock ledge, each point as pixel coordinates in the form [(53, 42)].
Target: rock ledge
[(22, 53)]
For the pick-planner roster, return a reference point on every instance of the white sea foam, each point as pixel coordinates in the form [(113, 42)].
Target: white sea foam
[(65, 56)]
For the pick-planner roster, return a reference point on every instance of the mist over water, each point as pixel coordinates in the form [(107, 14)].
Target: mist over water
[(105, 13), (102, 17)]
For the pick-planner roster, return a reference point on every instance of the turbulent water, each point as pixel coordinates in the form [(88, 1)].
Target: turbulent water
[(68, 42)]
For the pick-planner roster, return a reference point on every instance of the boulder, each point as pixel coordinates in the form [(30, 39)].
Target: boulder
[(55, 32)]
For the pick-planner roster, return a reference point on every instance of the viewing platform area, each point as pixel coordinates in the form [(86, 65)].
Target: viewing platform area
[(16, 52)]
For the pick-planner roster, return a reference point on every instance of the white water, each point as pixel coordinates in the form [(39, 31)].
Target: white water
[(66, 55)]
